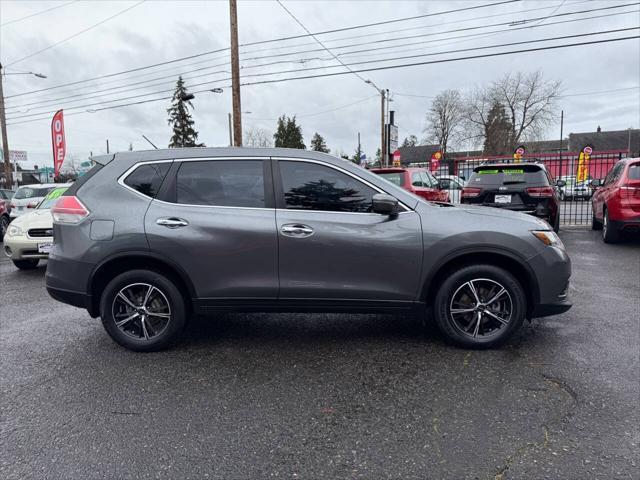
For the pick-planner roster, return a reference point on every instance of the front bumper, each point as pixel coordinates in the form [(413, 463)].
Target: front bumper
[(22, 247), (552, 267)]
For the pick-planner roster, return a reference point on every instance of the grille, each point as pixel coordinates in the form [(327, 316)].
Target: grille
[(41, 232)]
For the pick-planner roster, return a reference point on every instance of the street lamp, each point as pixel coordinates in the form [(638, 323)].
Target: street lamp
[(8, 176)]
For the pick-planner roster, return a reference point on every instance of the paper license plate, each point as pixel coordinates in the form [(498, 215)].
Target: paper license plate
[(502, 199), (45, 247)]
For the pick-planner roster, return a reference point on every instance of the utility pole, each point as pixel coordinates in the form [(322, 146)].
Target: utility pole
[(5, 142), (235, 75), (107, 145), (384, 160), (230, 132), (561, 128)]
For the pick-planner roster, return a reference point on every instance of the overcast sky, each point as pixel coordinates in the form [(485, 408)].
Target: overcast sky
[(337, 107)]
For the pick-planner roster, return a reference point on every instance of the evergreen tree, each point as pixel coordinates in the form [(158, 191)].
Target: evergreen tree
[(318, 144), (497, 131), (184, 135), (288, 134)]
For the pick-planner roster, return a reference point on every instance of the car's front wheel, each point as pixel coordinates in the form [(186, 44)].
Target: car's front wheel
[(143, 310), (26, 264), (480, 306), (4, 226)]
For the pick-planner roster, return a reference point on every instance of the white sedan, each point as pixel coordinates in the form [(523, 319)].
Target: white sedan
[(29, 237)]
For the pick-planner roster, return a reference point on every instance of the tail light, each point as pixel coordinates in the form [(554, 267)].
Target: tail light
[(32, 205), (11, 205), (470, 192), (69, 210), (540, 191)]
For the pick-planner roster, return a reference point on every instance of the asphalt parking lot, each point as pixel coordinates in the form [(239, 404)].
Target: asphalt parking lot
[(328, 396)]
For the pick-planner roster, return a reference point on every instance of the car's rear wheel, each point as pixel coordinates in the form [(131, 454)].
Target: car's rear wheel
[(609, 233), (26, 264), (480, 306), (143, 310)]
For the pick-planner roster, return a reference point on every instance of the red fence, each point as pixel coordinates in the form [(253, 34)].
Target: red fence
[(576, 205)]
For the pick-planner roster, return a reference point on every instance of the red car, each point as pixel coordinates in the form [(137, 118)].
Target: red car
[(616, 200), (416, 180)]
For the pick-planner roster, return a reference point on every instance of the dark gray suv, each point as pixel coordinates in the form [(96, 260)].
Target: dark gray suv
[(147, 239)]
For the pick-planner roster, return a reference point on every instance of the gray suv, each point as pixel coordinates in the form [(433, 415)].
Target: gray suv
[(147, 239)]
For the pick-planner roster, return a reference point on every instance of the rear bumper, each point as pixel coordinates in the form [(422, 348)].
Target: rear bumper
[(548, 309), (628, 225), (77, 299)]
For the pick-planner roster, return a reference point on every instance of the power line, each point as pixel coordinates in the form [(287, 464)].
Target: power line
[(37, 13), (76, 34), (369, 52), (262, 42), (335, 66), (388, 67), (614, 90), (322, 44), (323, 67)]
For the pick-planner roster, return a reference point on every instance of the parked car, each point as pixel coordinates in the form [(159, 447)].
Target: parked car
[(5, 211), (453, 185), (522, 187), (616, 200), (28, 197), (145, 239), (416, 180), (573, 190), (29, 238)]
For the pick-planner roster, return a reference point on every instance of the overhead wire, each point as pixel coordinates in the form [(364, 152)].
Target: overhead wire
[(371, 69)]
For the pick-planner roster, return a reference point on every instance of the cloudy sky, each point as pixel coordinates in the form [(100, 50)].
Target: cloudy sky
[(100, 38)]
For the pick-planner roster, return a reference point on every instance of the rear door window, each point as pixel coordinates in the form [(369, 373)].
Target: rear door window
[(224, 183), (397, 178), (30, 192), (634, 171), (508, 175), (417, 180)]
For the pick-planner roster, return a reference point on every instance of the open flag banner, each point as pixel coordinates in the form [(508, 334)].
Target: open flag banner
[(58, 142)]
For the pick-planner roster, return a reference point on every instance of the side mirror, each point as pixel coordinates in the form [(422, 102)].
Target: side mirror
[(596, 183), (561, 183), (385, 204)]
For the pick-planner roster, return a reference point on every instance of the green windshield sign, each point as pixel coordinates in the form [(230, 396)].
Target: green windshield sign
[(507, 171), (53, 194)]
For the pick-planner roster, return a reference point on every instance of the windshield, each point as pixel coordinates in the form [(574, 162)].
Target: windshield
[(30, 192), (507, 175), (397, 178), (52, 197)]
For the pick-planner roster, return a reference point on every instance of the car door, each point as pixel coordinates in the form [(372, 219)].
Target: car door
[(332, 247), (602, 194), (215, 219)]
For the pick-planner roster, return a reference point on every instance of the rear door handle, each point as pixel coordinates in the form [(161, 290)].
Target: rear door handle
[(296, 230), (172, 222)]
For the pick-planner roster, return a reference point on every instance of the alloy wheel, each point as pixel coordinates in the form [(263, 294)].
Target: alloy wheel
[(141, 311), (480, 308)]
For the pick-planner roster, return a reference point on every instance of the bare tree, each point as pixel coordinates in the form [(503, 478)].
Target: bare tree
[(257, 138), (445, 119), (529, 101)]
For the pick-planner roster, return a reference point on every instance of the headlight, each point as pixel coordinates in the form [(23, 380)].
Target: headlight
[(548, 237), (14, 231)]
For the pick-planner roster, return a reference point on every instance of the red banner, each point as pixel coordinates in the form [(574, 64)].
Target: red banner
[(58, 142), (435, 160)]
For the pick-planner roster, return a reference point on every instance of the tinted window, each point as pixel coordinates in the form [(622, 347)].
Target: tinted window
[(614, 174), (508, 175), (634, 171), (309, 186), (224, 183), (397, 178), (30, 192), (447, 184), (147, 179), (417, 180)]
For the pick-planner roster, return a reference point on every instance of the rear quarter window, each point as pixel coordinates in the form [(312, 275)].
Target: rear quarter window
[(147, 179), (634, 171), (498, 175), (397, 178), (30, 192)]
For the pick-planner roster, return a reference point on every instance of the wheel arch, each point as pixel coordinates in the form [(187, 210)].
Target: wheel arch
[(105, 271), (509, 261)]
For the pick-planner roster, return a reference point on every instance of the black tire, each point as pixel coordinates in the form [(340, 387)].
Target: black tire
[(595, 223), (4, 225), (26, 264), (138, 334), (480, 275), (609, 234)]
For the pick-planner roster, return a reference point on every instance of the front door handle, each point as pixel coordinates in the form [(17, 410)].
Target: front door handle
[(172, 222), (296, 230)]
